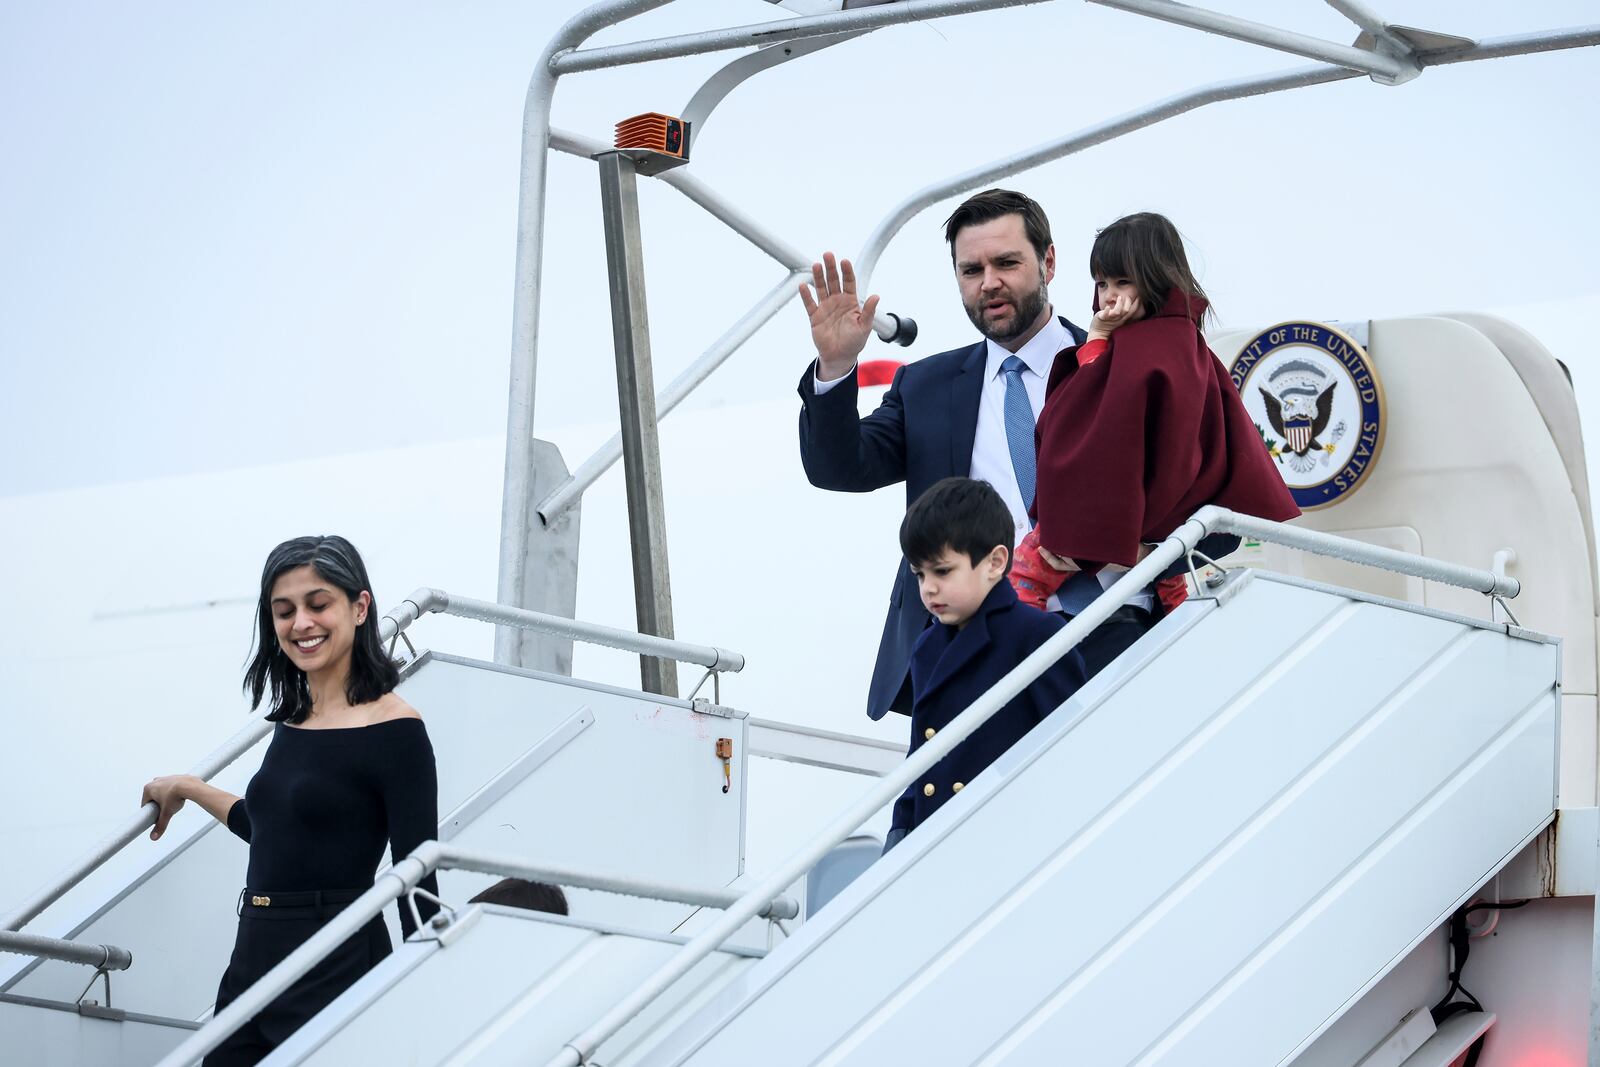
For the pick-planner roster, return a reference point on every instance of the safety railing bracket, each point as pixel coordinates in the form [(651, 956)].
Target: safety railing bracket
[(448, 926), (1223, 586), (702, 706)]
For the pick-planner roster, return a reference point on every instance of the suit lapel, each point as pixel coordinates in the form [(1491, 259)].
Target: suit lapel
[(967, 644), (966, 390)]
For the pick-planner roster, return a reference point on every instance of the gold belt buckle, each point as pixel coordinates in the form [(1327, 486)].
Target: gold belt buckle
[(261, 902)]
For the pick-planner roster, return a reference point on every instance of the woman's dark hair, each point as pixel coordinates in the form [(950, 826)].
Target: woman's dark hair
[(1147, 250), (372, 673), (961, 514), (992, 204)]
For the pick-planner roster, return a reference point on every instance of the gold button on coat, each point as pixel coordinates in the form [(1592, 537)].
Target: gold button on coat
[(956, 788), (927, 790), (927, 734)]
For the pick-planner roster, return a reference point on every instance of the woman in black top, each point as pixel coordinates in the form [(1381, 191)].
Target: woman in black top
[(349, 768)]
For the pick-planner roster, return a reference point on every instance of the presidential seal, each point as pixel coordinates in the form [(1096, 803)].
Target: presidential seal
[(1317, 404)]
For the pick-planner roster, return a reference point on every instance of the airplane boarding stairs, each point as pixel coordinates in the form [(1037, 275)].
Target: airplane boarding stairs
[(513, 749), (1204, 857)]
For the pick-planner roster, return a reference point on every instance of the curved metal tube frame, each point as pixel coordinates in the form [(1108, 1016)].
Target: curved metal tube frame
[(736, 73), (561, 57), (525, 301), (858, 20), (1171, 107), (1385, 67)]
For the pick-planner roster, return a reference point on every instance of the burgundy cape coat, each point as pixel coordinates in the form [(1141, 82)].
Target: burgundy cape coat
[(1134, 443)]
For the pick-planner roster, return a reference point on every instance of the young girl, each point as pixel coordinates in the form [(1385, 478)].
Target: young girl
[(348, 771), (1141, 425)]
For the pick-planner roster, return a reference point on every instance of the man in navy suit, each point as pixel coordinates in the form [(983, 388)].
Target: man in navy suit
[(965, 412), (957, 538)]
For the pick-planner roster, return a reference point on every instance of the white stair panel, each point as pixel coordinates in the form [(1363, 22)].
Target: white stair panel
[(50, 1035), (1238, 835), (509, 990)]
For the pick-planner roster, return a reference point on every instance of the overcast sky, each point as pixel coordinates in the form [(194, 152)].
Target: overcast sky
[(241, 234)]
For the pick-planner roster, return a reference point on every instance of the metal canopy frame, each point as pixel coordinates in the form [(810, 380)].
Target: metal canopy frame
[(1388, 54)]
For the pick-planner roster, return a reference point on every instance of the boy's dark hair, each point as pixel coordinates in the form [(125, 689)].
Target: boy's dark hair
[(994, 204), (521, 893), (272, 675), (1147, 249), (961, 514)]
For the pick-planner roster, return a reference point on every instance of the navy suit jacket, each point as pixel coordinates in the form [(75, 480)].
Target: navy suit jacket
[(921, 432), (951, 668)]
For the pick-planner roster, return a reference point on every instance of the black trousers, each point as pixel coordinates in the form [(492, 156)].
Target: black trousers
[(1114, 636), (268, 934)]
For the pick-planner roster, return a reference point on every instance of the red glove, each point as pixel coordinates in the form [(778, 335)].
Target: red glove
[(1034, 579), (1170, 592)]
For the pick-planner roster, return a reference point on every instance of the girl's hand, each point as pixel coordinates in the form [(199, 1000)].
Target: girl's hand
[(1118, 310), (168, 794), (1060, 563)]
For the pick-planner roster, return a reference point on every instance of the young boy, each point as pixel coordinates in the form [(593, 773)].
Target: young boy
[(957, 538)]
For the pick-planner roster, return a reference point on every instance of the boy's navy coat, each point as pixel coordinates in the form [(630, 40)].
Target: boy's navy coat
[(951, 668), (921, 433)]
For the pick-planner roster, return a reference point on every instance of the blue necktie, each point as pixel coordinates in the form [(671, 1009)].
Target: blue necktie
[(1019, 428), (1081, 589), (1078, 593)]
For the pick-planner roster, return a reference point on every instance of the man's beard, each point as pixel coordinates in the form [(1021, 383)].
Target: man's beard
[(1025, 311)]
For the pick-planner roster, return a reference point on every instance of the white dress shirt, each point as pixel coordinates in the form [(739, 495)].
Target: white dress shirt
[(991, 451)]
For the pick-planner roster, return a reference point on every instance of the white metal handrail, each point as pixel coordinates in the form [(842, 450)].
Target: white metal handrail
[(100, 957), (781, 906), (1207, 520), (404, 877), (423, 601), (426, 600)]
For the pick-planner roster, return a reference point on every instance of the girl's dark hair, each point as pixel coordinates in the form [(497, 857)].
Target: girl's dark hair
[(1147, 250), (372, 673), (961, 514)]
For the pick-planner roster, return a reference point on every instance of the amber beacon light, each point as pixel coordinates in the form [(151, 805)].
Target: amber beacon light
[(655, 132)]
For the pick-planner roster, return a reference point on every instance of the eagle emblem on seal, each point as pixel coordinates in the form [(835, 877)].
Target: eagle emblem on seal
[(1313, 395), (1298, 398)]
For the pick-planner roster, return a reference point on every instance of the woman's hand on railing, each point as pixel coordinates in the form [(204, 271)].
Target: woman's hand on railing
[(169, 792)]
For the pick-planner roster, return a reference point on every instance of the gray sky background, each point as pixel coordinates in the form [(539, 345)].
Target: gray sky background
[(233, 235)]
